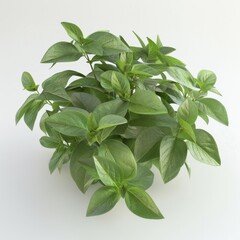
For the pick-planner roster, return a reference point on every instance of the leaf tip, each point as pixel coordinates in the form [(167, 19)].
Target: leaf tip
[(30, 127), (218, 164), (88, 214), (226, 122), (165, 181), (16, 119), (158, 217), (64, 24), (42, 60)]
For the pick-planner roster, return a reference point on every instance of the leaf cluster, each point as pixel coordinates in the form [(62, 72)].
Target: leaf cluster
[(136, 109)]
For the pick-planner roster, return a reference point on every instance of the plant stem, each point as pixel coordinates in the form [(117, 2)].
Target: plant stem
[(45, 98), (48, 101), (91, 66)]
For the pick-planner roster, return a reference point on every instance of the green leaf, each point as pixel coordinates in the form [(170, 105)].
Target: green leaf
[(147, 143), (71, 123), (116, 106), (173, 153), (169, 108), (91, 122), (161, 120), (208, 78), (46, 128), (159, 42), (171, 61), (123, 40), (85, 100), (203, 116), (103, 66), (172, 92), (104, 133), (55, 93), (146, 102), (113, 80), (214, 109), (85, 82), (21, 111), (182, 76), (153, 50), (111, 120), (143, 179), (59, 79), (138, 53), (104, 44), (105, 80), (120, 154), (42, 123), (73, 31), (166, 50), (125, 61), (82, 166), (61, 52), (188, 111), (205, 148), (120, 84), (131, 132), (103, 200), (108, 171), (188, 169), (54, 87), (140, 40), (141, 204), (28, 82), (214, 90), (119, 130), (49, 142), (57, 157), (32, 112), (147, 69), (188, 129)]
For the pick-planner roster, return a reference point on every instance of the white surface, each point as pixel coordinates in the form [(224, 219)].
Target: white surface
[(35, 205)]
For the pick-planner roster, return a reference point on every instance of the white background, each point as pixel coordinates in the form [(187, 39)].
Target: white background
[(35, 205)]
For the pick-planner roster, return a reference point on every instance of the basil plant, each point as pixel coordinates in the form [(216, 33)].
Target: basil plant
[(135, 110)]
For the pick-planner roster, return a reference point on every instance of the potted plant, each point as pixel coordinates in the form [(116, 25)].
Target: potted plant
[(135, 109)]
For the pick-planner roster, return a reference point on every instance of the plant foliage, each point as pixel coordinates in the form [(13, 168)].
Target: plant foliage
[(135, 109)]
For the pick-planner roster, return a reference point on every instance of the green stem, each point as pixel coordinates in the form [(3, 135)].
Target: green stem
[(48, 101), (45, 98), (91, 66)]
